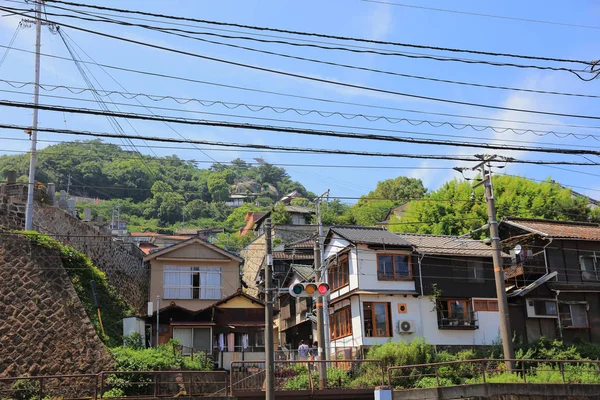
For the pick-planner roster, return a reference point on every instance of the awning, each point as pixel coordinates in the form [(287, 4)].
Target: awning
[(369, 292), (539, 282), (191, 323), (295, 325)]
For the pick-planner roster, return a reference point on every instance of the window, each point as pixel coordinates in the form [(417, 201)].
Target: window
[(588, 268), (341, 323), (573, 315), (475, 271), (456, 314), (393, 267), (377, 319), (545, 307), (339, 273), (485, 305), (196, 338), (192, 283)]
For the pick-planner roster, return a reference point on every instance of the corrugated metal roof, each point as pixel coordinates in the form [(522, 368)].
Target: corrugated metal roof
[(450, 245), (557, 229), (370, 235)]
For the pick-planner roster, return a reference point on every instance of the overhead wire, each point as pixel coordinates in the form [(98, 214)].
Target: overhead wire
[(294, 130), (10, 44), (181, 33), (325, 100), (300, 33), (311, 150), (302, 112), (316, 79), (437, 135)]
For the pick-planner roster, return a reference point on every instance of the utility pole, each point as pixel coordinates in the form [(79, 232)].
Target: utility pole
[(323, 342), (505, 331), (320, 325), (34, 125), (157, 320), (68, 185), (269, 358)]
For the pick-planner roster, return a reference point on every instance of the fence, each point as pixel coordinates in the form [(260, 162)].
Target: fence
[(293, 376), (336, 353), (493, 371), (116, 384)]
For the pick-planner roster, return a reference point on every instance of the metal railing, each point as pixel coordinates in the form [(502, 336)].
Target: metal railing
[(293, 376), (477, 371), (116, 384), (459, 321)]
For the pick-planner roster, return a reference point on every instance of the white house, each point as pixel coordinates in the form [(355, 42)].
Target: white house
[(388, 287)]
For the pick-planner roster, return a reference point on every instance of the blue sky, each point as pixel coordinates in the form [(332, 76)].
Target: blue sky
[(345, 18)]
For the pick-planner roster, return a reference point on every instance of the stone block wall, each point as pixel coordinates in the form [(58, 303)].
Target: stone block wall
[(44, 329), (121, 262)]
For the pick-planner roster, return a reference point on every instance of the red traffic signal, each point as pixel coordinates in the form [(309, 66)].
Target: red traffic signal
[(309, 289)]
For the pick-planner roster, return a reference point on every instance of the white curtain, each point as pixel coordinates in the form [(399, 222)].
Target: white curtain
[(177, 282), (210, 283)]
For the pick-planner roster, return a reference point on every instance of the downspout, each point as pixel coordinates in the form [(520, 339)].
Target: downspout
[(546, 258), (560, 331)]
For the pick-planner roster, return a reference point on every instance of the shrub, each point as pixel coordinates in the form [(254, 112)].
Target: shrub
[(402, 353), (430, 381), (133, 341)]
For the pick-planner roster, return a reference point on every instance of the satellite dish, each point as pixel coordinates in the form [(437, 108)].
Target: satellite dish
[(518, 249)]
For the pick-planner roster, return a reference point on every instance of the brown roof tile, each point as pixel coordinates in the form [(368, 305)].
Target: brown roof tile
[(557, 229)]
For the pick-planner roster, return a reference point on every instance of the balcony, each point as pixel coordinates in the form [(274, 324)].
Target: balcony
[(452, 321), (535, 265)]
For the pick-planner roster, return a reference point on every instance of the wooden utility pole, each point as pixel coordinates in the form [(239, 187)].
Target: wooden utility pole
[(269, 351), (505, 331)]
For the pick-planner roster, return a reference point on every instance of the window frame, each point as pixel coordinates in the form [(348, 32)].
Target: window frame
[(475, 266), (395, 278), (192, 271), (388, 331), (478, 302), (586, 271), (337, 271), (570, 305), (334, 329)]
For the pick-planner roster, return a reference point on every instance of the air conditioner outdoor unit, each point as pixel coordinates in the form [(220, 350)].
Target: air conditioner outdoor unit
[(406, 326)]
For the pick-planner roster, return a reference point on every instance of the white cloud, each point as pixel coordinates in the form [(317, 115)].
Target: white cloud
[(379, 21)]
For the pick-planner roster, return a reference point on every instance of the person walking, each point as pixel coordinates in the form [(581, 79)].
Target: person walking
[(314, 351), (303, 351)]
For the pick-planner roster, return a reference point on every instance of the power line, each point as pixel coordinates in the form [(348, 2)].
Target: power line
[(298, 149), (301, 131), (176, 32), (331, 82), (291, 32), (149, 108), (10, 44), (537, 21), (325, 100)]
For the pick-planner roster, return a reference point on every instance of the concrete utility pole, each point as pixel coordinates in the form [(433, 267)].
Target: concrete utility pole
[(323, 342), (157, 320), (270, 353), (34, 125), (320, 325), (505, 331)]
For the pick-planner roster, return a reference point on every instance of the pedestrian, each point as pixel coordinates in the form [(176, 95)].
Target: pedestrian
[(303, 351), (314, 351)]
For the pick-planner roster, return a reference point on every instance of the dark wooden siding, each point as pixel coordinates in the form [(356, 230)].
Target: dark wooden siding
[(450, 274)]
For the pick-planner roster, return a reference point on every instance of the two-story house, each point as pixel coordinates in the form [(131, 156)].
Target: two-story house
[(553, 278), (201, 302), (387, 286)]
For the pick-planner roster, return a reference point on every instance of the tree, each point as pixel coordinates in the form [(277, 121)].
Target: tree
[(399, 189), (280, 215)]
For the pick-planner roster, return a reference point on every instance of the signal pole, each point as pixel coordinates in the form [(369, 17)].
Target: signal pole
[(324, 341), (34, 125), (269, 356), (320, 325), (505, 331)]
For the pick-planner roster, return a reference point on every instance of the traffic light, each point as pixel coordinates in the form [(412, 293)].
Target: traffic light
[(309, 289)]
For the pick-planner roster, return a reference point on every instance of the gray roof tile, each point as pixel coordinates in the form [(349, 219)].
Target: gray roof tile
[(370, 235), (449, 245)]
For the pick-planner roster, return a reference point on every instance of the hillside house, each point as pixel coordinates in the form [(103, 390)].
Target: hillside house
[(553, 278), (201, 302), (387, 286)]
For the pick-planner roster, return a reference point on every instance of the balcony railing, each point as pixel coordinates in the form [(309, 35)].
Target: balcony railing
[(535, 265), (458, 321)]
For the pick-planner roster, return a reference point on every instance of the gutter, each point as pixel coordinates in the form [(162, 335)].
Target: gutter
[(546, 257)]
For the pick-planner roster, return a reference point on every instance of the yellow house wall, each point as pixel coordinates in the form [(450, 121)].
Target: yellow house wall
[(191, 256), (240, 302)]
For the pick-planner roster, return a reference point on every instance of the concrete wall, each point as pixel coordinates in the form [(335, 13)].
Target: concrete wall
[(503, 391), (44, 329), (121, 262)]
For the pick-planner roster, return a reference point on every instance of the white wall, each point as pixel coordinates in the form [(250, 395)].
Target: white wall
[(421, 312), (367, 271)]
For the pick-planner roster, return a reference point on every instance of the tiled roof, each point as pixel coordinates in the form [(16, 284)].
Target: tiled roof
[(434, 244), (308, 243), (557, 229), (298, 209), (370, 235), (306, 273)]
